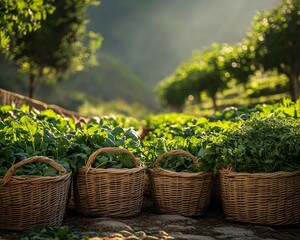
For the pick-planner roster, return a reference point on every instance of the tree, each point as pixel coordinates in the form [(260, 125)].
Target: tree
[(60, 47), (237, 61), (275, 35), (173, 91), (212, 78), (206, 72), (19, 17)]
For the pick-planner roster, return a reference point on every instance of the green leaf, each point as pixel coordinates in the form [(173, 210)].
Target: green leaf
[(50, 172)]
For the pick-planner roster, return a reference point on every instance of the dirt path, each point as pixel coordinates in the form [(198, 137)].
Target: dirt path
[(151, 225)]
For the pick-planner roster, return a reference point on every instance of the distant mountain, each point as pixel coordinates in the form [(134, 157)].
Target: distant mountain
[(111, 80)]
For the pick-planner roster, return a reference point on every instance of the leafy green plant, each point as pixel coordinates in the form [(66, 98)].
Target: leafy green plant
[(93, 137), (116, 121), (263, 144), (25, 133), (22, 135), (202, 147), (113, 160), (218, 141)]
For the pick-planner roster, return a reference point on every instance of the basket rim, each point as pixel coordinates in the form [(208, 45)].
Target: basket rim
[(137, 162), (32, 179), (41, 159), (87, 170), (175, 152), (157, 169), (229, 173), (171, 173)]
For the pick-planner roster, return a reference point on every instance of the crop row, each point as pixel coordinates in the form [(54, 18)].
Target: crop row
[(264, 138)]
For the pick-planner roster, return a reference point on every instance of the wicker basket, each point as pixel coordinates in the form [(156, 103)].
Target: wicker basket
[(33, 201), (183, 193), (109, 192), (261, 198)]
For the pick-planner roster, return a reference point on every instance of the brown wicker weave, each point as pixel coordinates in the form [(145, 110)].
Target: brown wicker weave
[(33, 201), (183, 193), (109, 192), (261, 198)]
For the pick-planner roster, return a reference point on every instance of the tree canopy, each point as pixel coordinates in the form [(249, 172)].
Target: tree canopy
[(272, 43), (60, 47), (210, 71), (275, 37), (19, 17)]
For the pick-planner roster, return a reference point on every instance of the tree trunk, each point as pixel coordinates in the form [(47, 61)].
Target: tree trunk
[(34, 81), (214, 99), (294, 86), (31, 85)]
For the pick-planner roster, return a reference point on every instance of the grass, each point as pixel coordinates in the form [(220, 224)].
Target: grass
[(232, 97)]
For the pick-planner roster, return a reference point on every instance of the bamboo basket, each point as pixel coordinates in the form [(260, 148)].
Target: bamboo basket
[(33, 201), (109, 192), (187, 194), (261, 198)]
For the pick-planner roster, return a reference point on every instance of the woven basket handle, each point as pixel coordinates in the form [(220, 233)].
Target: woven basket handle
[(175, 152), (40, 159), (93, 156)]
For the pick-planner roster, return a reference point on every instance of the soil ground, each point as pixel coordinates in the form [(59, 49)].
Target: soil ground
[(213, 225)]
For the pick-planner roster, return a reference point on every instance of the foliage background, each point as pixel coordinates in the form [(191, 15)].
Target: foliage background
[(143, 42)]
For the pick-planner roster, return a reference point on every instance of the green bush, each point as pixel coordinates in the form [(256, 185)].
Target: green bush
[(263, 144)]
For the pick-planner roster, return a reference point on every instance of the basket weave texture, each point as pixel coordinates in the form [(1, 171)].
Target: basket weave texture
[(261, 198), (187, 194), (109, 192), (33, 201)]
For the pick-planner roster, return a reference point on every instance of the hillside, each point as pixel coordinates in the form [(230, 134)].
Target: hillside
[(153, 37), (144, 41)]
